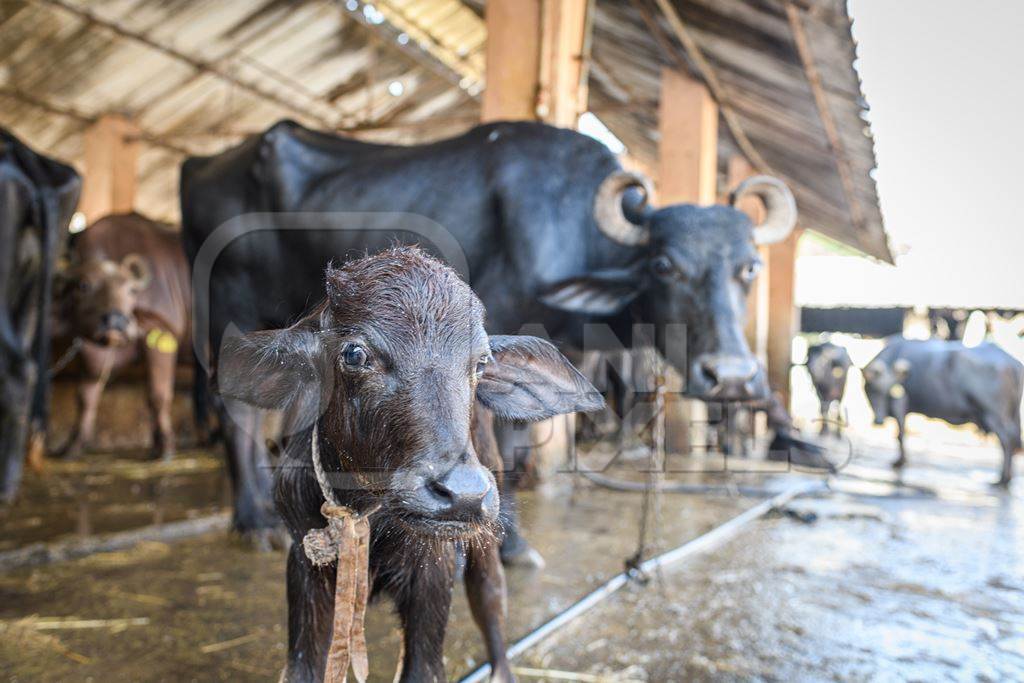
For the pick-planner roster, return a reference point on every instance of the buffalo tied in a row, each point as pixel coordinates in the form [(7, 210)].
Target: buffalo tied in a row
[(408, 383)]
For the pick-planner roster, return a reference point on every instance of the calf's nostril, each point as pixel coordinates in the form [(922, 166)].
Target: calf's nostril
[(441, 491)]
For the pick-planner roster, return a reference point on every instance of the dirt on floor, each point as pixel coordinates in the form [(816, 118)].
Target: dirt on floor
[(915, 582)]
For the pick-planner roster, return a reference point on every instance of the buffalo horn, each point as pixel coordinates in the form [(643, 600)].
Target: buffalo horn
[(780, 207), (608, 213)]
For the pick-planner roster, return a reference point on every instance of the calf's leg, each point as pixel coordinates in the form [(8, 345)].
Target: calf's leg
[(423, 604), (310, 617), (160, 366), (485, 588), (89, 392)]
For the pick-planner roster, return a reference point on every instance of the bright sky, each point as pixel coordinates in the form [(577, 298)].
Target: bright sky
[(943, 79)]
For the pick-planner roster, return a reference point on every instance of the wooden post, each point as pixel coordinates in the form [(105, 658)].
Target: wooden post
[(111, 154), (783, 317), (535, 54), (513, 60), (687, 172), (688, 154)]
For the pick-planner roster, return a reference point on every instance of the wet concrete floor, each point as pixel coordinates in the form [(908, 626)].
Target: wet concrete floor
[(927, 586)]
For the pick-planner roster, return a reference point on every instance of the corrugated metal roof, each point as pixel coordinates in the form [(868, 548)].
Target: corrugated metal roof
[(751, 48), (197, 76)]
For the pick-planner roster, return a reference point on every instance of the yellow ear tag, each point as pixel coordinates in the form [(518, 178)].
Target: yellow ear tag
[(161, 341), (837, 372), (897, 391)]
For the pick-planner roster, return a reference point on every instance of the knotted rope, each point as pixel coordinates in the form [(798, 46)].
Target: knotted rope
[(345, 540)]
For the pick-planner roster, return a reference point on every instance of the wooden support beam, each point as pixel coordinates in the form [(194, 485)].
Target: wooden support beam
[(696, 55), (783, 316), (513, 60), (111, 155), (536, 72), (687, 172), (536, 60), (688, 155), (562, 94)]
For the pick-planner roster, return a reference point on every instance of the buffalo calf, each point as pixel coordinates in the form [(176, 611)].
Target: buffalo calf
[(397, 374)]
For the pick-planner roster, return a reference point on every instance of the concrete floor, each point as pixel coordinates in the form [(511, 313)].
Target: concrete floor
[(920, 583)]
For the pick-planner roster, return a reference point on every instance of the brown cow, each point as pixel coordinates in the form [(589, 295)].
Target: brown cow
[(126, 296)]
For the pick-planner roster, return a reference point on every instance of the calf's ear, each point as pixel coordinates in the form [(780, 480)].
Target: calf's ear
[(604, 292), (530, 380), (273, 369)]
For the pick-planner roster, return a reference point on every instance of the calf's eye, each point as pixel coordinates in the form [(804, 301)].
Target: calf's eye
[(354, 356)]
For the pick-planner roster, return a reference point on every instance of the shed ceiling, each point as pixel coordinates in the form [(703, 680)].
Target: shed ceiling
[(198, 76)]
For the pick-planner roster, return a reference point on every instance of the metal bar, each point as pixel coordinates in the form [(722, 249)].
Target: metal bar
[(45, 553), (716, 536)]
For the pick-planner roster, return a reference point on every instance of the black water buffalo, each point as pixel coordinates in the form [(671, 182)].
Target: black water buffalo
[(952, 382), (389, 375), (829, 364), (125, 295), (553, 234), (37, 198)]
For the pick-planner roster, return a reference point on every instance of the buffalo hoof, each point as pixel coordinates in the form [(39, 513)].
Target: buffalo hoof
[(899, 464), (522, 556), (1003, 483)]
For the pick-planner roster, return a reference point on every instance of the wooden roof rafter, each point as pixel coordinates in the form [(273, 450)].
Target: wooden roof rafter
[(87, 119), (824, 112), (710, 79)]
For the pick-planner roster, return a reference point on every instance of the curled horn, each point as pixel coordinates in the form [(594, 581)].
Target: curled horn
[(608, 213), (780, 207)]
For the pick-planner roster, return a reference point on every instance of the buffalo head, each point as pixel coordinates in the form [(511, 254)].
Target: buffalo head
[(102, 295), (694, 268), (828, 365), (883, 384), (390, 367)]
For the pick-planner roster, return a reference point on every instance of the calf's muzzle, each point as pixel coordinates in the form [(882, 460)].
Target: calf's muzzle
[(463, 494)]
